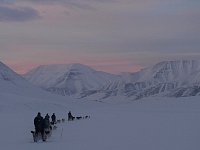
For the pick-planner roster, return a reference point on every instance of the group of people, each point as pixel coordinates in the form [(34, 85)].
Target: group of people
[(43, 125)]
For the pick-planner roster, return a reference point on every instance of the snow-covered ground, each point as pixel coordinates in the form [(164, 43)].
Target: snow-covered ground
[(147, 124)]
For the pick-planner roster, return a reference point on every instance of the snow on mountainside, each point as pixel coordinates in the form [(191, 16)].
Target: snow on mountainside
[(170, 71), (13, 83), (169, 78), (68, 79), (151, 123), (7, 75), (18, 95)]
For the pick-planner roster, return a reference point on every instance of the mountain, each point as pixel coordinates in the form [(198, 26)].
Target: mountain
[(12, 83), (168, 78), (9, 76), (170, 71), (19, 95), (71, 79), (172, 77)]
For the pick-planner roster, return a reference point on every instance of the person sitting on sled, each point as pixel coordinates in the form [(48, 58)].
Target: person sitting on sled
[(46, 122), (53, 118), (70, 117), (38, 123), (46, 125)]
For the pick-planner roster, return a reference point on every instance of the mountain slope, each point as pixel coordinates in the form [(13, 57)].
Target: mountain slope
[(70, 79), (9, 76), (171, 78), (12, 83), (19, 95), (168, 78), (170, 71)]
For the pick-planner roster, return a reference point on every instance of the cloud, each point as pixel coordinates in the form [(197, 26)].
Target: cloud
[(80, 4), (68, 1), (17, 14), (6, 1), (141, 30)]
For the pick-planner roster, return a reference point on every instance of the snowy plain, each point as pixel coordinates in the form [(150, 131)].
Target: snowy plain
[(155, 123)]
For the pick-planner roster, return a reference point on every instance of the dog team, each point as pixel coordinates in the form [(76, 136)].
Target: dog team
[(43, 126)]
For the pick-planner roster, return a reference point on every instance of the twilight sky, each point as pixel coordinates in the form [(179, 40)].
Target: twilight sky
[(109, 35)]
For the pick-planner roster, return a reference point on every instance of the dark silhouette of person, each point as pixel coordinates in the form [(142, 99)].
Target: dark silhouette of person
[(46, 122), (53, 118), (70, 117), (39, 127), (47, 116)]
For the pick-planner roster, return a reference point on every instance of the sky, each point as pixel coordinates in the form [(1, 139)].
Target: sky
[(109, 35)]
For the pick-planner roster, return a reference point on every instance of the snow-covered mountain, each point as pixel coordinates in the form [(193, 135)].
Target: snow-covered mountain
[(158, 119), (19, 95), (70, 79), (168, 78), (12, 83), (150, 118), (170, 71), (9, 76)]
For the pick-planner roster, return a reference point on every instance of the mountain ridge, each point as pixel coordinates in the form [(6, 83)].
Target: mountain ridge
[(68, 79), (167, 78), (11, 83)]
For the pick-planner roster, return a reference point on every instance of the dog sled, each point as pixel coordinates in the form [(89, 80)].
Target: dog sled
[(38, 136)]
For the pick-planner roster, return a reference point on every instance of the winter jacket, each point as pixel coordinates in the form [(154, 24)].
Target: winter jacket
[(53, 118), (38, 122)]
